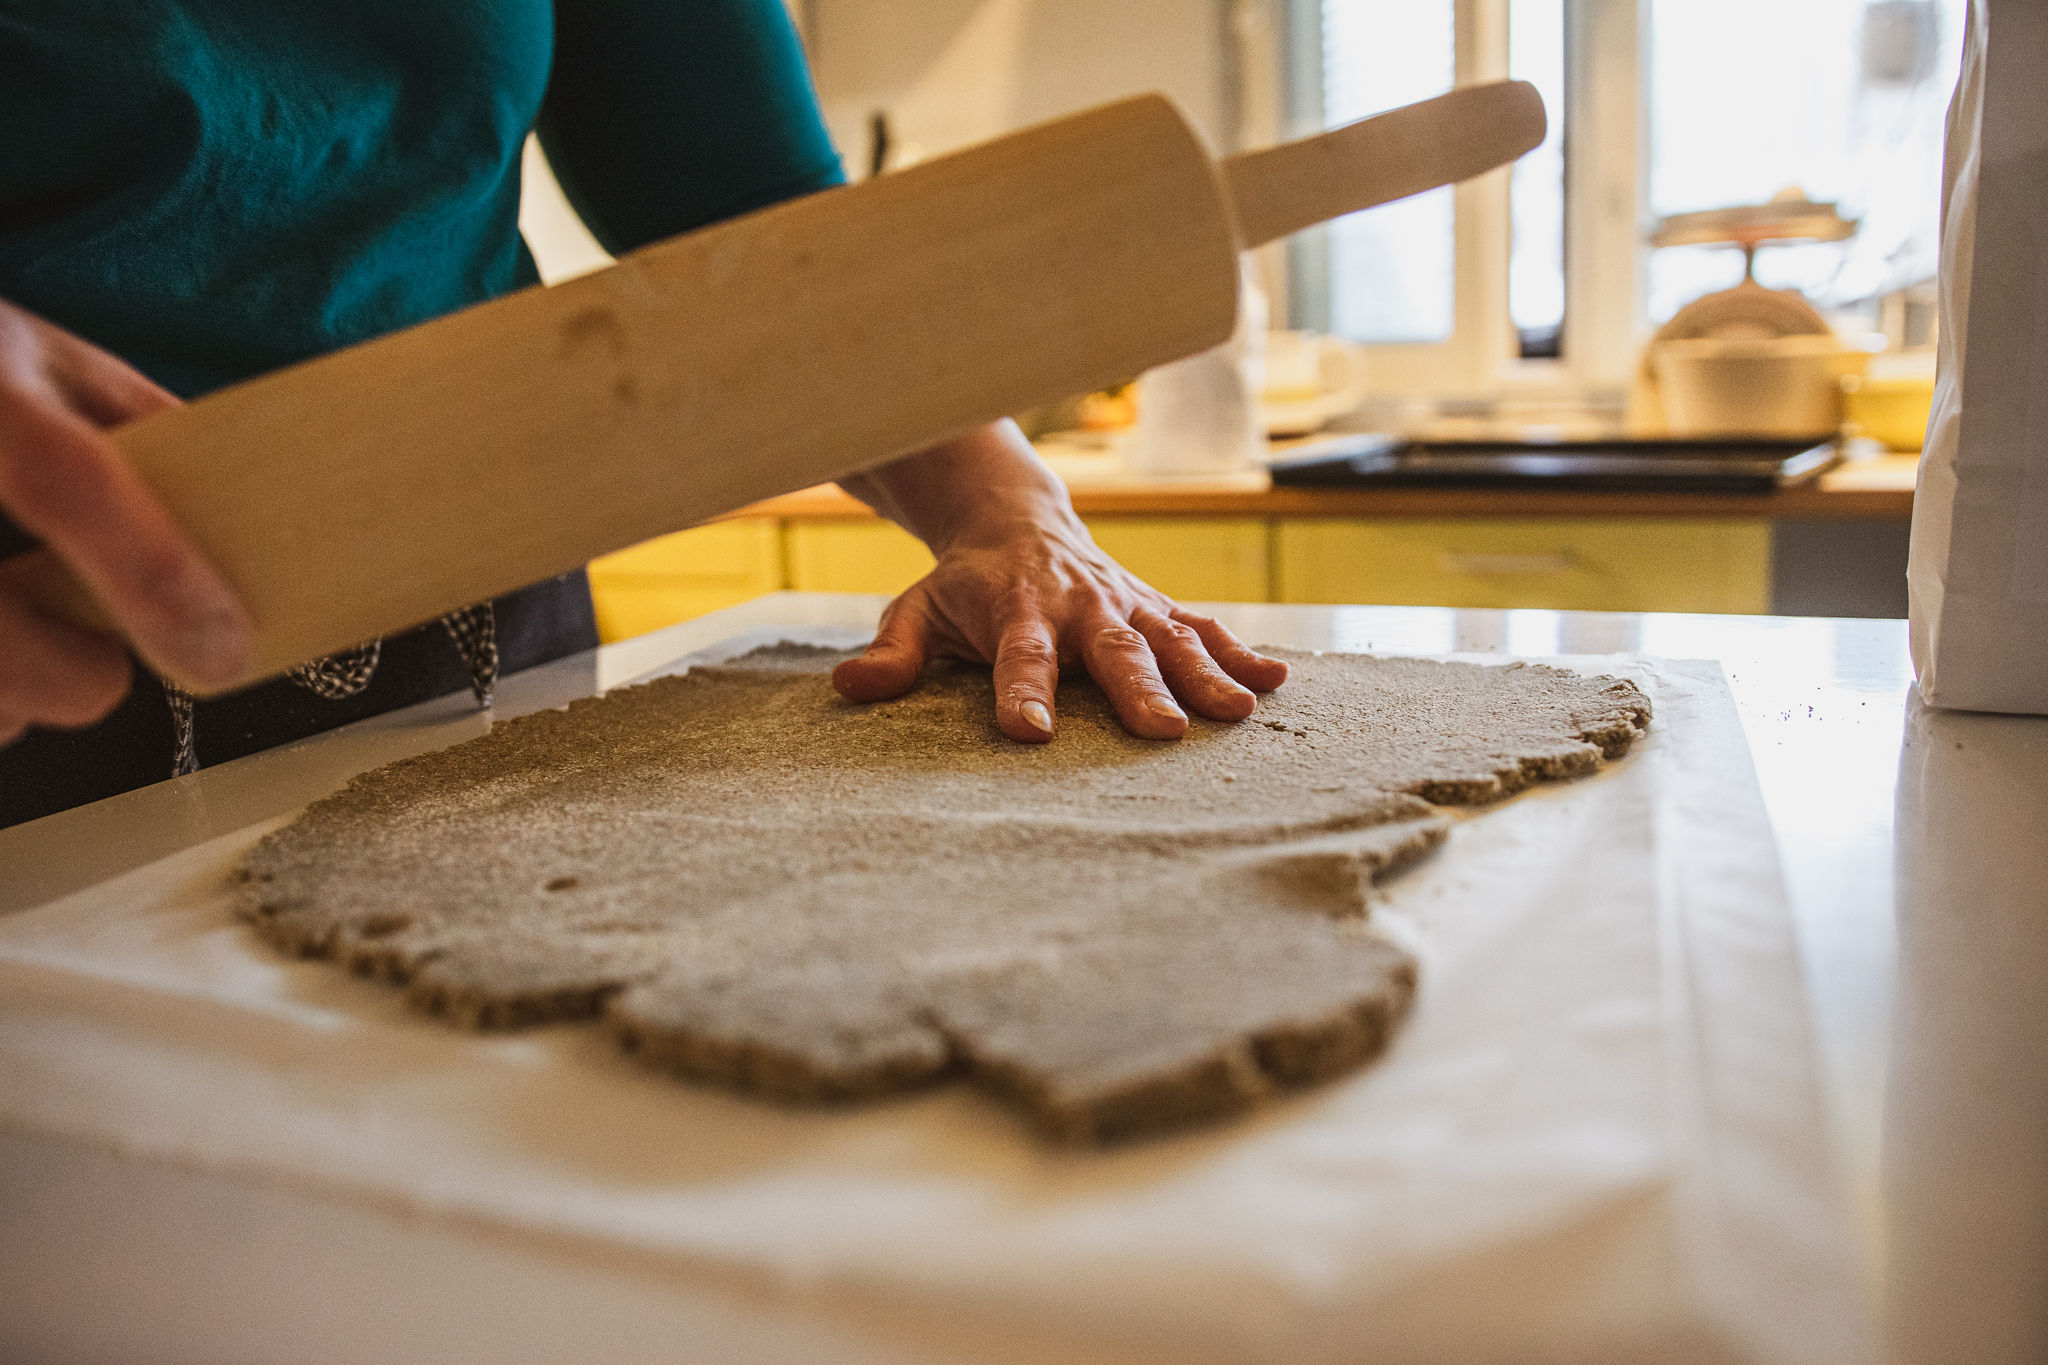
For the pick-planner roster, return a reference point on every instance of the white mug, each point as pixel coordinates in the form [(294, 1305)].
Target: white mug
[(1200, 416), (1310, 379)]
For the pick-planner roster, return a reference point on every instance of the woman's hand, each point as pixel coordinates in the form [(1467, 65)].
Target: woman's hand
[(1021, 586), (64, 481)]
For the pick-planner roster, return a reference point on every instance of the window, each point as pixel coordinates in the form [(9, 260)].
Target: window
[(1391, 273), (1542, 280), (1449, 287), (1839, 98), (1536, 216)]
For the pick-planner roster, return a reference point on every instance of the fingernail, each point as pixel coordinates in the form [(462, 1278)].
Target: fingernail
[(1163, 706), (1036, 716)]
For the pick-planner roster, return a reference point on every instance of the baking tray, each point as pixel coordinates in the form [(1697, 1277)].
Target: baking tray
[(1620, 465)]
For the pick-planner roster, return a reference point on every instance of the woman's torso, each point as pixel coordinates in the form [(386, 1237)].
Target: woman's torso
[(211, 189)]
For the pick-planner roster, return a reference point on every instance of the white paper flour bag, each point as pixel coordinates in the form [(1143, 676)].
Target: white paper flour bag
[(1978, 575)]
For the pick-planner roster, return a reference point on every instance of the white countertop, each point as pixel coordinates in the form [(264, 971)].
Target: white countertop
[(1921, 906)]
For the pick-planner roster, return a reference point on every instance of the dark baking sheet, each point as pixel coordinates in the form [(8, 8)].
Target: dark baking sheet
[(1661, 466)]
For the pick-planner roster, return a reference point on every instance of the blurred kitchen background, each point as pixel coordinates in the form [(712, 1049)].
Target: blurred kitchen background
[(1729, 239)]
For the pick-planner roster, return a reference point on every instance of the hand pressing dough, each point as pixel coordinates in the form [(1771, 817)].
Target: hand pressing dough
[(757, 884)]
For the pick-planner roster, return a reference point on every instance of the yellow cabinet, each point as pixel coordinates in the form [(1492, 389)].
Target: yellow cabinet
[(1561, 563), (854, 556), (1196, 559), (675, 577), (1573, 564), (1212, 559)]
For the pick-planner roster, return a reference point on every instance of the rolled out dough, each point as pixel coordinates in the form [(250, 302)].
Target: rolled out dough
[(757, 884)]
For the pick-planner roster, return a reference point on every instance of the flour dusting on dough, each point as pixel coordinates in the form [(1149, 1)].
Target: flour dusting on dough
[(757, 884)]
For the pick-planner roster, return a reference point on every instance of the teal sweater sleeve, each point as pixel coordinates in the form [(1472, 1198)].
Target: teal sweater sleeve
[(665, 115)]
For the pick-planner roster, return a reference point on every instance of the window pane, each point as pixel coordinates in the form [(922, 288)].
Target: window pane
[(1391, 268), (1842, 98), (1536, 270)]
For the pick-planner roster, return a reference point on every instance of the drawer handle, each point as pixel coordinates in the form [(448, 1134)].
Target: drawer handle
[(1503, 565)]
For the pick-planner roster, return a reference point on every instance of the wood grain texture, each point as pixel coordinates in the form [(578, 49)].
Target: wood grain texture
[(1283, 189), (383, 485)]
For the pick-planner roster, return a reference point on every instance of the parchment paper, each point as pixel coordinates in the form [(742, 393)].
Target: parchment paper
[(1598, 1136)]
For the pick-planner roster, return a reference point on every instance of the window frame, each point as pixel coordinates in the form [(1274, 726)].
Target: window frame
[(1606, 187)]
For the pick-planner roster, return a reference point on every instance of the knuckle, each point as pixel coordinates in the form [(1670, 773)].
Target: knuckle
[(1121, 636), (1028, 647), (904, 609), (900, 635), (1016, 598), (1019, 692)]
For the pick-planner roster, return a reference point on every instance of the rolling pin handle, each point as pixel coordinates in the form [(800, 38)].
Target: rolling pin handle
[(1280, 190)]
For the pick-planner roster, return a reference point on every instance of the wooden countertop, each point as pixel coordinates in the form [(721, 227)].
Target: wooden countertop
[(1875, 487)]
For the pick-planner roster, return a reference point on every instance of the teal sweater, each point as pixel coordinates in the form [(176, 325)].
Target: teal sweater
[(214, 188)]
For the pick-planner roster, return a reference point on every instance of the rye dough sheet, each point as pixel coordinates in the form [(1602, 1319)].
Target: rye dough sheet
[(761, 886)]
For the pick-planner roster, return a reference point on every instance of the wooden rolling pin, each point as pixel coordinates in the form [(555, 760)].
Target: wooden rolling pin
[(366, 491)]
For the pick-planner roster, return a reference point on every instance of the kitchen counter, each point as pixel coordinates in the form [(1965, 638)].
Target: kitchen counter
[(1877, 487), (1915, 853), (1836, 547)]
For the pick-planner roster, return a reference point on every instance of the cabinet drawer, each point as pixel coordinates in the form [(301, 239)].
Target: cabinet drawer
[(675, 577), (1201, 559), (854, 556), (1196, 559), (1571, 564)]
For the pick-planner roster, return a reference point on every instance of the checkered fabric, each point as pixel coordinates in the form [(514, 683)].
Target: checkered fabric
[(184, 753), (473, 629), (475, 632), (339, 675)]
